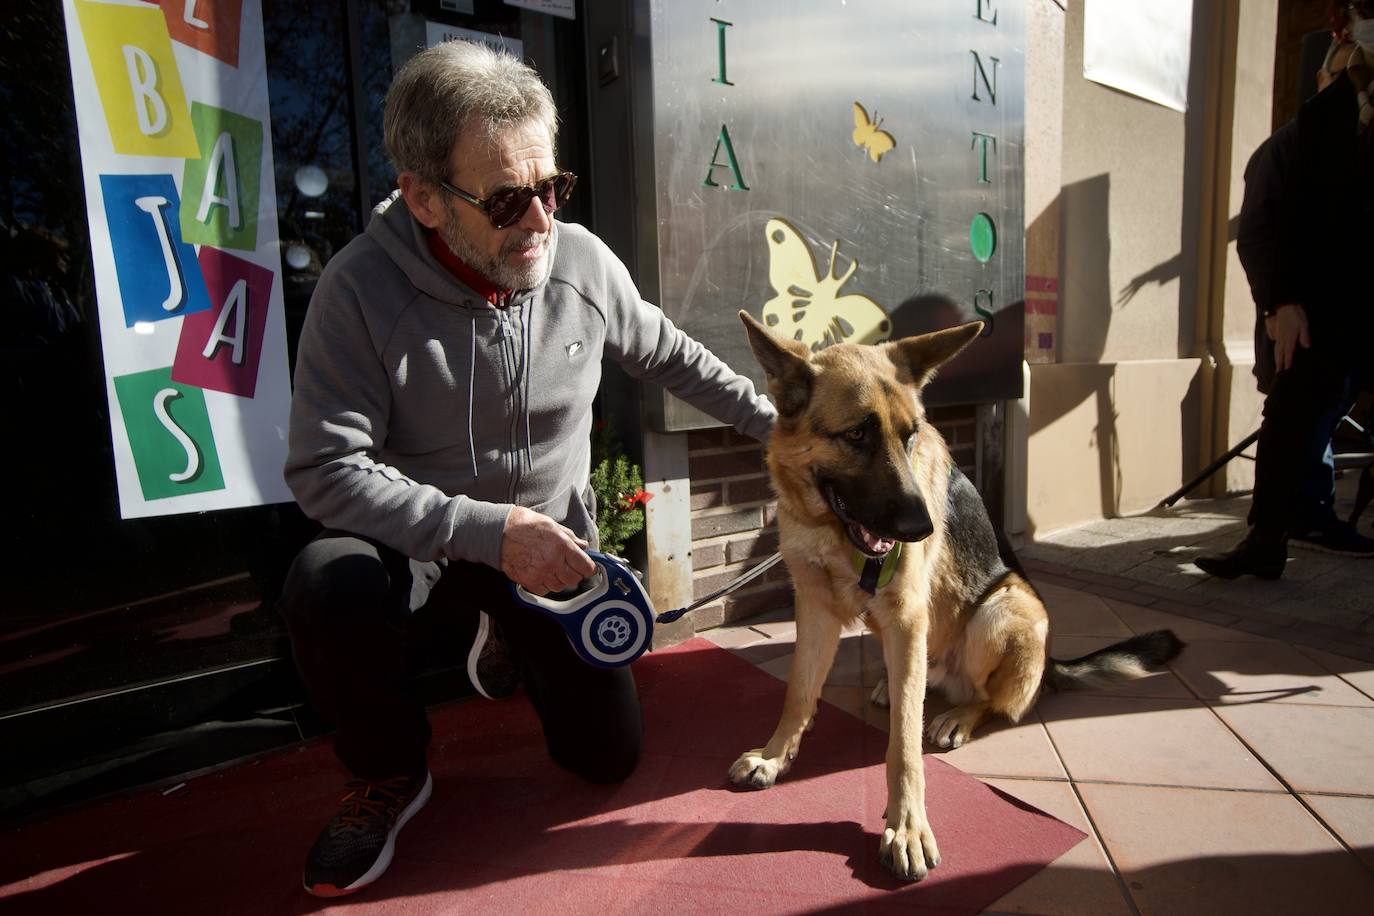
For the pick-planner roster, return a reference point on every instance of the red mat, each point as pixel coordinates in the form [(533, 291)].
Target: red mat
[(509, 832)]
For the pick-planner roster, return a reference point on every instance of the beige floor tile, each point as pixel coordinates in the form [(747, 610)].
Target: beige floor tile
[(1078, 883), (780, 667), (1000, 748), (1195, 851), (1144, 619), (1075, 613), (1314, 748), (777, 629), (1351, 818), (765, 651), (848, 698), (848, 667), (1151, 741), (1272, 672), (733, 637), (1161, 684), (1354, 672)]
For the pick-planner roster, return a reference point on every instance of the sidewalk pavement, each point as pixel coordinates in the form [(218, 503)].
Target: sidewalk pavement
[(1322, 601), (1240, 780)]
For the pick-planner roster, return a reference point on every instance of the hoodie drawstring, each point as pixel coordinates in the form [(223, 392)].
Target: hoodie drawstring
[(529, 370), (472, 380)]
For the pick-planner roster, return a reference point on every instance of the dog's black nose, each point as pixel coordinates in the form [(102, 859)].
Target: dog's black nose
[(912, 522)]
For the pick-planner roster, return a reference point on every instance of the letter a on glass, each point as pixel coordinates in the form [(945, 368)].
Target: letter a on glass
[(723, 139)]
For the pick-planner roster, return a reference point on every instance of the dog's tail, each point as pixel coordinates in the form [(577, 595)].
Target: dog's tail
[(1124, 661)]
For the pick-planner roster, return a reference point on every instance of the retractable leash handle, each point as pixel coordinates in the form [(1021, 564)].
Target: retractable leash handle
[(611, 623)]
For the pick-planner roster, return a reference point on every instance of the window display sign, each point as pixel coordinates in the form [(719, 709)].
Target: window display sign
[(172, 112), (846, 172)]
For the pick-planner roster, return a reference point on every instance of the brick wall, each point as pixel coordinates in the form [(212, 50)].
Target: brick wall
[(734, 516)]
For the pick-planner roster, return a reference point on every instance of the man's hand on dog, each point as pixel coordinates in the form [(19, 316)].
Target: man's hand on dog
[(541, 555)]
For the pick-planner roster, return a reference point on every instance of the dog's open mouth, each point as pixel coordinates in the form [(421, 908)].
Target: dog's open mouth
[(868, 543)]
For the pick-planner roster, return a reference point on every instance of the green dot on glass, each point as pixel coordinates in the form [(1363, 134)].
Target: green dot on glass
[(982, 237)]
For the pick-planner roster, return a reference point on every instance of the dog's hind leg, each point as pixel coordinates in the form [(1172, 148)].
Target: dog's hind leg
[(818, 636), (1003, 660)]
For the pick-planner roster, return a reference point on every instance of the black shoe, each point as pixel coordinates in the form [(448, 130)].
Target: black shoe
[(490, 667), (355, 848), (1335, 537), (1251, 556)]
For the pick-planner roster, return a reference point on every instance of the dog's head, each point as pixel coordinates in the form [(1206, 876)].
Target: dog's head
[(851, 424)]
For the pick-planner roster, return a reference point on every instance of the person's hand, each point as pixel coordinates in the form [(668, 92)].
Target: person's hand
[(1289, 331), (541, 555)]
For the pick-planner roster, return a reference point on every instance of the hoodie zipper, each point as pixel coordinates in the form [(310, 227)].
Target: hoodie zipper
[(509, 339)]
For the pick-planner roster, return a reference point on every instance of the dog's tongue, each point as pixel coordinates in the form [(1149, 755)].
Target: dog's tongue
[(876, 545)]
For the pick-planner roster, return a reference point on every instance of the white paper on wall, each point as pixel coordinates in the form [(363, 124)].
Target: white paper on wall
[(1140, 48)]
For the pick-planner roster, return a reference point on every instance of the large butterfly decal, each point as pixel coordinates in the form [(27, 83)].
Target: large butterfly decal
[(868, 135), (806, 305)]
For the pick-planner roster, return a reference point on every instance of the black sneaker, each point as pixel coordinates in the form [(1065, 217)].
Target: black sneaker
[(355, 848), (490, 667), (1335, 537)]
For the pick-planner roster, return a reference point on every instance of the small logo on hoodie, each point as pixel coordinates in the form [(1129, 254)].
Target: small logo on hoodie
[(574, 349)]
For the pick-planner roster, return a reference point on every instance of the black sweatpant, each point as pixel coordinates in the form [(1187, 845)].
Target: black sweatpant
[(350, 603)]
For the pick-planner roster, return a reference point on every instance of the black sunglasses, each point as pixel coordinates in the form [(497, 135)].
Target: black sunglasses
[(506, 207)]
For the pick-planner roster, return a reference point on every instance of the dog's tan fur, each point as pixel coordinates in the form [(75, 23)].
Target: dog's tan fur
[(988, 654)]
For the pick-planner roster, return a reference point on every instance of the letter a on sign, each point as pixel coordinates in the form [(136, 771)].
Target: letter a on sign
[(219, 349), (220, 187), (136, 74)]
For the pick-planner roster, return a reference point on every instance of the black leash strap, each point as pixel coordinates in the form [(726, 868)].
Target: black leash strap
[(750, 576)]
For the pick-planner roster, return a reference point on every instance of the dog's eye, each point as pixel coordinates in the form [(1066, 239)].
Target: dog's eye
[(854, 435)]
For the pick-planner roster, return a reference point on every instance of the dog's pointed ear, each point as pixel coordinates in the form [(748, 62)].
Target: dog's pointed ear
[(787, 363), (922, 355)]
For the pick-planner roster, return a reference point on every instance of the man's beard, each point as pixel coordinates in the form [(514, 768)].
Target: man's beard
[(496, 269)]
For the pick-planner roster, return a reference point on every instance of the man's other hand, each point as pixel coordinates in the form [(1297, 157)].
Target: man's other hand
[(542, 555), (1289, 331)]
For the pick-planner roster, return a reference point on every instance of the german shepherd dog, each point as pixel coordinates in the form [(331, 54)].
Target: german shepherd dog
[(858, 471)]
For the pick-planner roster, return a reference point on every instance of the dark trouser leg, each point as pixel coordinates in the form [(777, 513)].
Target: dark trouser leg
[(1300, 414), (347, 602), (591, 716)]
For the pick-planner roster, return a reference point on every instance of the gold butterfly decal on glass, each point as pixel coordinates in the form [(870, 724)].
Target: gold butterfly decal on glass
[(806, 305), (868, 135)]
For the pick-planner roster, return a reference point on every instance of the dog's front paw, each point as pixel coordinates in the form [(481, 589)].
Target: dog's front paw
[(754, 771), (908, 849)]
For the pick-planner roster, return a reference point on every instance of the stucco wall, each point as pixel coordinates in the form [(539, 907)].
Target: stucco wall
[(1122, 206)]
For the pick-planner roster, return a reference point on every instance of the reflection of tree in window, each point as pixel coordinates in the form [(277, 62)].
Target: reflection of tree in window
[(308, 92)]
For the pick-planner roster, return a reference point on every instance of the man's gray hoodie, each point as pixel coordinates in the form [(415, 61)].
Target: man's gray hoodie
[(422, 414)]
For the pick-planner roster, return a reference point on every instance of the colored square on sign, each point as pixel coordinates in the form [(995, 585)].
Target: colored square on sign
[(159, 276), (169, 433), (219, 202), (136, 74), (209, 26), (220, 348)]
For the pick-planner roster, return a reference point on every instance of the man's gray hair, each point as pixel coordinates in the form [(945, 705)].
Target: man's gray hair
[(454, 87)]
